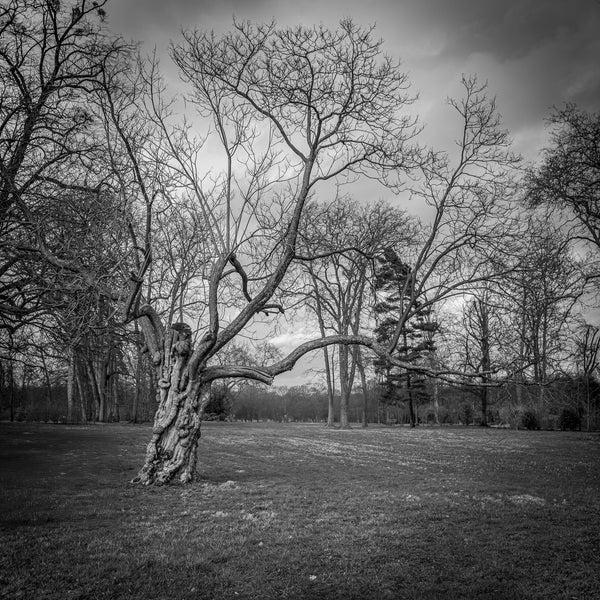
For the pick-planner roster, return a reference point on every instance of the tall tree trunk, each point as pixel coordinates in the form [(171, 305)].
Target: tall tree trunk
[(71, 385), (48, 387), (137, 393), (483, 394), (115, 395), (345, 386), (436, 400), (486, 360), (24, 391), (519, 392), (138, 376), (588, 400), (80, 390), (11, 374), (411, 406), (102, 381), (98, 404), (328, 365), (363, 383), (409, 391), (330, 389)]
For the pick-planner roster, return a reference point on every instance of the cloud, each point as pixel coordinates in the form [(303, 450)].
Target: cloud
[(534, 53), (309, 369), (288, 340), (506, 30)]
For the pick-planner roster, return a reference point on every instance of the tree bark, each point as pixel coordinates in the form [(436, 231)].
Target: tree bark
[(96, 392), (79, 382), (411, 406), (486, 360), (363, 383), (115, 413), (346, 378), (138, 375), (484, 402), (330, 389), (24, 390), (328, 366), (182, 397), (71, 386), (11, 373), (436, 400), (48, 387)]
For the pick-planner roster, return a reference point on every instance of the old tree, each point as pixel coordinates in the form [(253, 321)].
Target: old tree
[(202, 233), (291, 110)]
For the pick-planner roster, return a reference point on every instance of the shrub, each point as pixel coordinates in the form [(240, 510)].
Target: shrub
[(569, 419), (529, 420)]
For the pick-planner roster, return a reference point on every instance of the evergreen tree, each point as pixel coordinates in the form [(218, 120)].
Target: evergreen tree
[(395, 307)]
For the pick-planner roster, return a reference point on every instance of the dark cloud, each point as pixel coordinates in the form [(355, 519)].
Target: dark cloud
[(507, 30), (536, 54)]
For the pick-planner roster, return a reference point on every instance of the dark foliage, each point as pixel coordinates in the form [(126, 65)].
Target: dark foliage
[(529, 420), (569, 419)]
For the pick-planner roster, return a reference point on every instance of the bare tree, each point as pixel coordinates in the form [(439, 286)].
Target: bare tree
[(541, 295), (342, 240), (589, 351), (291, 109), (470, 237), (481, 340), (52, 59), (569, 174)]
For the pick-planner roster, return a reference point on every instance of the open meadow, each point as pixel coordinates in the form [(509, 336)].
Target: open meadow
[(300, 511)]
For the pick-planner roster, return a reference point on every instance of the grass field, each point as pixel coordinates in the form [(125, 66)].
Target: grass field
[(300, 511)]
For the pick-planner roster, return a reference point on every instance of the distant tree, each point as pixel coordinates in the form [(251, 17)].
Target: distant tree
[(569, 174), (589, 355), (542, 294), (483, 340), (344, 237), (472, 234), (219, 405), (393, 288)]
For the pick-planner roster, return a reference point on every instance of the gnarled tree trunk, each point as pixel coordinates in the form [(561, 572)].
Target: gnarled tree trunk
[(182, 397)]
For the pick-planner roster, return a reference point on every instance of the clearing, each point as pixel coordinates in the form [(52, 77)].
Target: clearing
[(300, 511)]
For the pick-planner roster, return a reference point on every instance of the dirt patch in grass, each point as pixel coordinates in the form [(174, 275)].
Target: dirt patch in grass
[(300, 511)]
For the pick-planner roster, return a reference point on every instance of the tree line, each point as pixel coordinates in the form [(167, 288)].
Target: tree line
[(152, 240)]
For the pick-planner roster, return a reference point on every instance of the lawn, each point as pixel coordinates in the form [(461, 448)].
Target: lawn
[(300, 511)]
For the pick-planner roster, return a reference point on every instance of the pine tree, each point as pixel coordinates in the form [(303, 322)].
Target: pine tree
[(394, 287)]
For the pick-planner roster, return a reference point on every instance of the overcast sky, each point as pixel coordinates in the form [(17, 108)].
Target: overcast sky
[(535, 54)]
